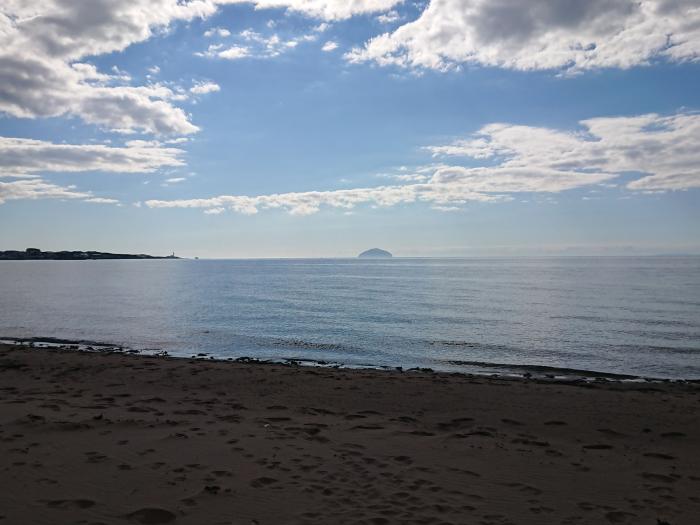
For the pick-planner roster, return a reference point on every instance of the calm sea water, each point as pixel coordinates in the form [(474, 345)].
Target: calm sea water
[(624, 315)]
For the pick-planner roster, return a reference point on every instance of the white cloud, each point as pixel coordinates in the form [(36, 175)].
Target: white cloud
[(389, 18), (33, 86), (36, 188), (413, 177), (43, 45), (327, 9), (447, 208), (231, 53), (252, 44), (310, 202), (202, 88), (72, 30), (663, 148), (518, 159), (25, 159), (32, 189), (413, 174), (330, 46), (220, 32), (272, 45), (540, 34), (27, 156), (101, 200), (307, 203), (174, 180)]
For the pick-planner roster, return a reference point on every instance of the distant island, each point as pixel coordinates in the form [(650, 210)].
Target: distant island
[(375, 253), (35, 254)]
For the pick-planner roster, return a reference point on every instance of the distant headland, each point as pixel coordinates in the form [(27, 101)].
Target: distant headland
[(375, 252), (35, 254)]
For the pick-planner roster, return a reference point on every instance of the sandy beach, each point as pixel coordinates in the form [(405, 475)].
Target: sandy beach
[(95, 438)]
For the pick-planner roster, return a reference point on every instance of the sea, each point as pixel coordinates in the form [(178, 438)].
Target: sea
[(636, 316)]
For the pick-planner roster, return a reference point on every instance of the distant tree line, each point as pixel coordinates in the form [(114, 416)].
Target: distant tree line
[(34, 254)]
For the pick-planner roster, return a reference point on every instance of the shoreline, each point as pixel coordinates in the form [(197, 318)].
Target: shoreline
[(478, 368), (114, 437)]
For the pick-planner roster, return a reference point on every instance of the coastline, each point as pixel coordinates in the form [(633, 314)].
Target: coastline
[(84, 434), (468, 368)]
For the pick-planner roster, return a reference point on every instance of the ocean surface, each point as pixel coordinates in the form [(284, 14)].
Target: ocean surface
[(626, 315)]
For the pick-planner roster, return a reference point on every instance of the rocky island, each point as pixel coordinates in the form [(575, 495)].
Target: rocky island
[(35, 254), (375, 253)]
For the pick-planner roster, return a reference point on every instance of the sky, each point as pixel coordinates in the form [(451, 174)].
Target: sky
[(321, 128)]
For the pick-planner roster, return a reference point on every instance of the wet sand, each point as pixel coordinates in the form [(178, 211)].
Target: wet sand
[(92, 438)]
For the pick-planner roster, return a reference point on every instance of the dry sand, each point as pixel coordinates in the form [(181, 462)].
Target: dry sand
[(110, 438)]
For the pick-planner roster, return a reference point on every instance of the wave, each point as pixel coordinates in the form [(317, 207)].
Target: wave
[(625, 347), (547, 371), (647, 322), (56, 341), (308, 345)]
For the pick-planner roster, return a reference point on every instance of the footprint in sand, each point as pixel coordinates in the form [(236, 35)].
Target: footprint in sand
[(611, 433), (511, 422), (71, 503), (618, 516), (152, 516), (525, 441), (368, 427), (672, 435), (659, 455), (658, 477), (421, 433), (262, 482), (455, 424)]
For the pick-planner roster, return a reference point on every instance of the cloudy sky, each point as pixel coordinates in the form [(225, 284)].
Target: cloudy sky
[(288, 128)]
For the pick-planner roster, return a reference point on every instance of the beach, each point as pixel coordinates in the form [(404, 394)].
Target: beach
[(101, 438)]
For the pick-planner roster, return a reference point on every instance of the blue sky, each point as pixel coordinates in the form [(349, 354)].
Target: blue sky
[(322, 128)]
